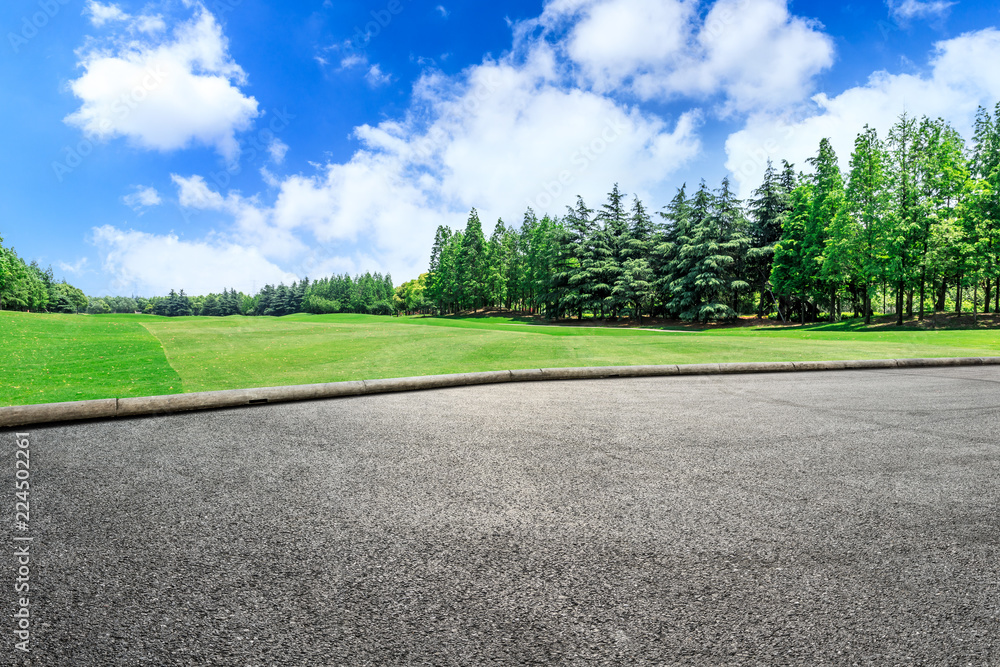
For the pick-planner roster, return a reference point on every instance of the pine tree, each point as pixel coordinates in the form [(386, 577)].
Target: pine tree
[(437, 276), (734, 239), (580, 225), (495, 267), (770, 204), (612, 246), (665, 253), (472, 264)]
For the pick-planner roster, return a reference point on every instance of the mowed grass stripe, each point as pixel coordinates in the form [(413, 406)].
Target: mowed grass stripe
[(242, 352), (50, 358), (55, 358)]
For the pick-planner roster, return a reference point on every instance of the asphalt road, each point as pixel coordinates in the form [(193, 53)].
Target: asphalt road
[(801, 518)]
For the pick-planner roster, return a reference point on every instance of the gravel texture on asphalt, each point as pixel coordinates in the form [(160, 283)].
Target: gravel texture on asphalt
[(806, 518)]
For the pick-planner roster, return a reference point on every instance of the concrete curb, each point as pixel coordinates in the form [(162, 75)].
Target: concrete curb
[(111, 408)]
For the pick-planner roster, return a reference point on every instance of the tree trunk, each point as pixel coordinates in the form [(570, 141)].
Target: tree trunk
[(833, 304), (909, 303), (900, 295), (975, 302), (958, 295), (923, 287), (941, 295), (868, 306)]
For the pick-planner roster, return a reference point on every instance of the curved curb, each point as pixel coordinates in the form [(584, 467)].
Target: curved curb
[(111, 408)]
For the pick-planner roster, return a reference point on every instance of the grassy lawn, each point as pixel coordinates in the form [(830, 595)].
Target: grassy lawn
[(73, 357), (55, 358)]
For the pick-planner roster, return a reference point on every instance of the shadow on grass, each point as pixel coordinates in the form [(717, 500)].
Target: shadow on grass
[(514, 317), (888, 323), (880, 324)]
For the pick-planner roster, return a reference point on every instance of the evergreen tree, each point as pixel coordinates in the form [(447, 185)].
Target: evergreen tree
[(827, 200), (770, 204), (665, 257), (436, 274), (472, 264)]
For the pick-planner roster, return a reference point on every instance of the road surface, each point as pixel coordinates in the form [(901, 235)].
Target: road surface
[(795, 518)]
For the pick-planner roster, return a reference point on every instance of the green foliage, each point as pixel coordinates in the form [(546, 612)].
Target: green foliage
[(27, 287)]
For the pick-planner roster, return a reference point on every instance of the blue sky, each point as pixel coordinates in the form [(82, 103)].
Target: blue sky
[(230, 143)]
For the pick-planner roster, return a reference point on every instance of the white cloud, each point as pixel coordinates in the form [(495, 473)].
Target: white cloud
[(251, 222), (442, 11), (962, 76), (165, 94), (101, 14), (78, 268), (501, 138), (911, 9), (193, 192), (754, 53), (150, 24), (376, 77), (353, 60), (143, 197), (618, 39), (537, 127), (277, 150), (152, 264)]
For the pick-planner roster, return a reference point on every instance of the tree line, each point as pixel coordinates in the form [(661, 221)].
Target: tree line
[(27, 287), (367, 294), (912, 225)]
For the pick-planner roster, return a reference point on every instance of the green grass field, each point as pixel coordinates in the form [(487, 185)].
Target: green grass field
[(52, 358)]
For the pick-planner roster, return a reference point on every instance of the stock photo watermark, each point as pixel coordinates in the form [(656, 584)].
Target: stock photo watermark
[(35, 22), (22, 618), (757, 159), (437, 136), (381, 18), (581, 160)]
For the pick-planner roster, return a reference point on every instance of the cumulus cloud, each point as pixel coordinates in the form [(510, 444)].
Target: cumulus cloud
[(143, 263), (503, 137), (143, 197), (251, 221), (755, 54), (961, 76), (101, 14), (536, 127), (165, 93)]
